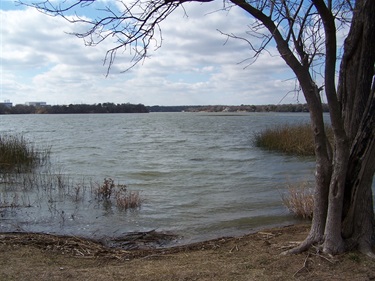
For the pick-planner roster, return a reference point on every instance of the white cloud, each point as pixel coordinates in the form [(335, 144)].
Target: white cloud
[(195, 65)]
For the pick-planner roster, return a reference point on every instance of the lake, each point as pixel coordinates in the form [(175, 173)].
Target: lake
[(199, 173)]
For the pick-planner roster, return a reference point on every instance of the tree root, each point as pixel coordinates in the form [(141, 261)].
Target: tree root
[(304, 246), (367, 250), (318, 243)]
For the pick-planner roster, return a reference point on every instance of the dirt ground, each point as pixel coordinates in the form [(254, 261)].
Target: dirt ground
[(251, 257)]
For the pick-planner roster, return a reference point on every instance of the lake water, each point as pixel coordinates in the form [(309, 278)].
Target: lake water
[(199, 173)]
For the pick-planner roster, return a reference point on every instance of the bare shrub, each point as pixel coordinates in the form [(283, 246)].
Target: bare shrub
[(300, 200), (123, 198), (104, 191), (128, 199)]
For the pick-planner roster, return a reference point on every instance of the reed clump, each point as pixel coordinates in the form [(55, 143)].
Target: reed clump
[(122, 197), (290, 139), (299, 199), (17, 155)]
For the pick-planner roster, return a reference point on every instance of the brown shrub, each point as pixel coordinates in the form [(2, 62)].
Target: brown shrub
[(300, 200)]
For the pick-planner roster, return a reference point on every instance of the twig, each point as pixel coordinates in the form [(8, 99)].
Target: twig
[(266, 235), (234, 248), (327, 259), (304, 266), (291, 244)]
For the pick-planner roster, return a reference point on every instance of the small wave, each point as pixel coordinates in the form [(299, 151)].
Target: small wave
[(148, 174), (197, 159)]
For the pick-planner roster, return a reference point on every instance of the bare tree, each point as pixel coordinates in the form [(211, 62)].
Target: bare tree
[(305, 33)]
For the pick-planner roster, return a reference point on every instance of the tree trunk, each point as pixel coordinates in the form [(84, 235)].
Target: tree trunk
[(322, 147), (358, 216), (333, 241), (323, 166), (349, 220), (358, 107)]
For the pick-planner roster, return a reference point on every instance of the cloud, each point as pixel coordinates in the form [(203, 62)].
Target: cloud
[(196, 63)]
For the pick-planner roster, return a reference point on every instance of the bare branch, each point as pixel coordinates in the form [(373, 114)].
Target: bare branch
[(135, 26), (133, 29)]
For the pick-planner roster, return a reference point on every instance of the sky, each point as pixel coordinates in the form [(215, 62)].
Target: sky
[(196, 64)]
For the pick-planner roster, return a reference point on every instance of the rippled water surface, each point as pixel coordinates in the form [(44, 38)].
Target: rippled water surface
[(200, 174)]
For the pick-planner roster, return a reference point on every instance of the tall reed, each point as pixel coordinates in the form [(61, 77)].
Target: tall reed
[(290, 139), (19, 155)]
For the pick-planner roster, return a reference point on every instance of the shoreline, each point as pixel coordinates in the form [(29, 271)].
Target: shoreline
[(133, 241), (254, 256), (134, 244)]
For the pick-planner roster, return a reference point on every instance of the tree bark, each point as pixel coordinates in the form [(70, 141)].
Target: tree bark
[(358, 110), (358, 216)]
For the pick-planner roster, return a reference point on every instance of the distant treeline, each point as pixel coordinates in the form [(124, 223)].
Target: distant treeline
[(75, 108), (140, 108), (237, 108)]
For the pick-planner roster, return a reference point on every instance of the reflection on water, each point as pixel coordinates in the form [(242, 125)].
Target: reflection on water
[(200, 174)]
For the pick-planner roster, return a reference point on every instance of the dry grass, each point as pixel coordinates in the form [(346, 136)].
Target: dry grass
[(300, 200), (291, 139)]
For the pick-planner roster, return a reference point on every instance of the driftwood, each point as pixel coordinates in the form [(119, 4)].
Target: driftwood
[(133, 245)]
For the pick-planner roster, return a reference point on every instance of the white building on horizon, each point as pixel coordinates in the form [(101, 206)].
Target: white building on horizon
[(36, 103), (6, 103)]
